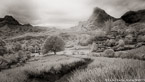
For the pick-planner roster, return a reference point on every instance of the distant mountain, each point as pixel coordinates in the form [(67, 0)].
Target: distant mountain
[(134, 16), (96, 21), (99, 16), (8, 20)]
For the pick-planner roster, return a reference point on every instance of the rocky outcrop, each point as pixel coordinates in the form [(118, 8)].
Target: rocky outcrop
[(8, 20), (131, 17), (97, 20), (99, 17)]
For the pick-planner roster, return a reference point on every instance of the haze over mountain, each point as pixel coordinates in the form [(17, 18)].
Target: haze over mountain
[(63, 13), (99, 17)]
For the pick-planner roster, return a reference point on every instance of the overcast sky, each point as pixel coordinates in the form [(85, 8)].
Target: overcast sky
[(63, 13)]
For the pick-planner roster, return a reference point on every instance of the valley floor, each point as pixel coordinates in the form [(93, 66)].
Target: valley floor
[(75, 68)]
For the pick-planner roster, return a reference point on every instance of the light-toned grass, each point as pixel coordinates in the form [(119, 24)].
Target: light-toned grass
[(45, 68), (109, 68), (138, 53)]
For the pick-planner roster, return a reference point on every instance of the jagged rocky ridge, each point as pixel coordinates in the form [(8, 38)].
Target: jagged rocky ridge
[(99, 17), (134, 16), (8, 20)]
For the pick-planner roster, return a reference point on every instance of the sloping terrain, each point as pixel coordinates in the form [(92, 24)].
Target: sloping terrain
[(113, 69), (99, 17), (43, 69)]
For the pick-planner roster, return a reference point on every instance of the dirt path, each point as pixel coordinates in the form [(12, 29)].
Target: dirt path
[(65, 77)]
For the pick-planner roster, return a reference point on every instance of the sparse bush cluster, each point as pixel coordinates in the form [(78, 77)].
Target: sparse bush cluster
[(2, 47), (18, 52), (8, 60), (138, 53), (118, 36)]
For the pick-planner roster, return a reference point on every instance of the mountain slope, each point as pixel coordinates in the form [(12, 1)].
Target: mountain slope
[(97, 20), (99, 17), (8, 20), (134, 16)]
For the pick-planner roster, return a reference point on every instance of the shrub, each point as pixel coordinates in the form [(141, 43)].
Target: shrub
[(94, 47), (2, 47), (121, 54), (13, 58), (17, 46), (141, 38), (95, 35), (129, 39), (120, 45), (3, 63), (65, 36), (108, 25), (110, 42), (53, 44), (109, 53)]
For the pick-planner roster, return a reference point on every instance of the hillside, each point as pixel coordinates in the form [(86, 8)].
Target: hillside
[(101, 48), (96, 20), (99, 17), (8, 20), (10, 27), (134, 16)]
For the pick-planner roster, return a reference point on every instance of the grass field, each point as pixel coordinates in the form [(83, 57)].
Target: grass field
[(78, 68), (45, 69), (109, 68)]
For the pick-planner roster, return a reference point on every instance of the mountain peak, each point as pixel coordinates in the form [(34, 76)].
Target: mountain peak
[(8, 16), (97, 10), (99, 17), (8, 20), (97, 20), (134, 16)]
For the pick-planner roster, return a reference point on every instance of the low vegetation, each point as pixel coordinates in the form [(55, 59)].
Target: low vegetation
[(103, 69), (138, 53), (45, 69)]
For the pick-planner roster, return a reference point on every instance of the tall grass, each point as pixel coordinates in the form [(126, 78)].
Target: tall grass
[(45, 69), (115, 69), (138, 53)]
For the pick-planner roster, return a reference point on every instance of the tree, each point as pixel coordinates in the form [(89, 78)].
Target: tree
[(53, 44)]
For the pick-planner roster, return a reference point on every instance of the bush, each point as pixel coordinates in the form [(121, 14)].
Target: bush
[(129, 39), (108, 53), (110, 43), (53, 44), (95, 35), (3, 63), (121, 54), (94, 47), (17, 46), (2, 47), (108, 26)]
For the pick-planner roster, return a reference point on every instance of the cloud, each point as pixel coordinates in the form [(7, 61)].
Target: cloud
[(22, 10), (117, 8), (63, 13), (59, 12)]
